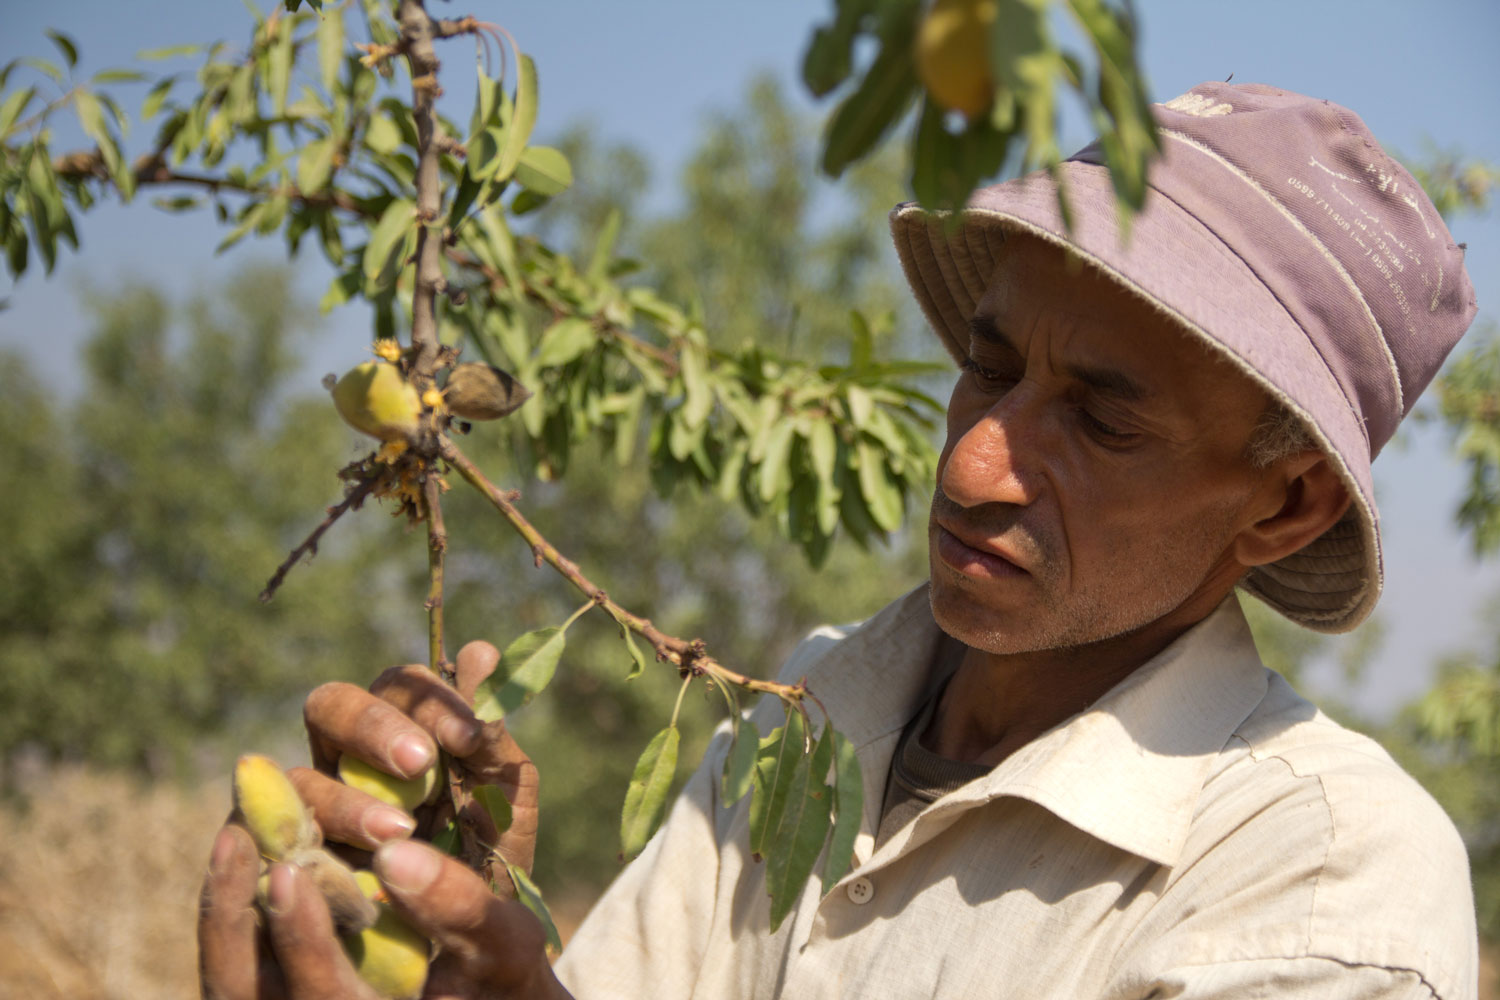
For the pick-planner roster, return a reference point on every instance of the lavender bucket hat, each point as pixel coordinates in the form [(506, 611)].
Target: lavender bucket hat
[(1278, 231)]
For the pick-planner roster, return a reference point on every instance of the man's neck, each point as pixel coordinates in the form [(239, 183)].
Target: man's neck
[(997, 703)]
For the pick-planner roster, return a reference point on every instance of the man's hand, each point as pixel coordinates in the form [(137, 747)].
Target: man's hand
[(398, 726), (488, 946)]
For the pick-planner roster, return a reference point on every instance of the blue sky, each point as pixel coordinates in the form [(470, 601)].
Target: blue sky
[(649, 72)]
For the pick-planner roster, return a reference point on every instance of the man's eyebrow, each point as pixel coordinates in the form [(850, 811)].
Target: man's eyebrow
[(1109, 380), (983, 328)]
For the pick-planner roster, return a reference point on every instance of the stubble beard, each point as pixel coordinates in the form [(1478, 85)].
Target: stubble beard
[(1153, 582)]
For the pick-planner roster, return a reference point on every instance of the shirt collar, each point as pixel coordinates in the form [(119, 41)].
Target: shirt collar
[(1127, 770)]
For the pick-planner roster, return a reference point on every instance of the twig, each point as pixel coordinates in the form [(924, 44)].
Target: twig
[(689, 656), (309, 546), (437, 546), (417, 32)]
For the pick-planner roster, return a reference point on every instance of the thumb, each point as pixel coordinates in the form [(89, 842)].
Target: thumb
[(486, 941), (476, 661)]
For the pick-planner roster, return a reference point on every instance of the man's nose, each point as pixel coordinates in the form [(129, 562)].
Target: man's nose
[(991, 461)]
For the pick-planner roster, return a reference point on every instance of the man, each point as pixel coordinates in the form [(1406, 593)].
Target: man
[(1080, 781)]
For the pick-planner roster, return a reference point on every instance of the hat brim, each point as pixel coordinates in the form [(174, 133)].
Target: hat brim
[(1177, 265)]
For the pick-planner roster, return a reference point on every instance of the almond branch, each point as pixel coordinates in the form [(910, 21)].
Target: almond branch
[(689, 656)]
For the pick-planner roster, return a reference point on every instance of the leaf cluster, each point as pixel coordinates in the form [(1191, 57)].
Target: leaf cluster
[(952, 155)]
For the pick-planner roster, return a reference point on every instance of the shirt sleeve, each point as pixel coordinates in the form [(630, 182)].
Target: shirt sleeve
[(1305, 978), (648, 934)]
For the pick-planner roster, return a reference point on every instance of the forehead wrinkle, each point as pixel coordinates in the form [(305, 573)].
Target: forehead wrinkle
[(983, 327)]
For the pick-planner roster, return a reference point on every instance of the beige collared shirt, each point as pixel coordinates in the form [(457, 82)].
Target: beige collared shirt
[(1201, 831)]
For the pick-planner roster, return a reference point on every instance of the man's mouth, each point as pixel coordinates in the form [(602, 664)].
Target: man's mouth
[(976, 557)]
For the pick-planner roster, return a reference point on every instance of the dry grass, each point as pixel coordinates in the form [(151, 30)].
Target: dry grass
[(99, 879)]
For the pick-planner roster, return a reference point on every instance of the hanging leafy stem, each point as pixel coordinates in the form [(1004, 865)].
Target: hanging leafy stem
[(982, 73)]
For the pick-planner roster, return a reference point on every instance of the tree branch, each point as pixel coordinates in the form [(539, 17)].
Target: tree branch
[(417, 32), (437, 547), (689, 656), (309, 546)]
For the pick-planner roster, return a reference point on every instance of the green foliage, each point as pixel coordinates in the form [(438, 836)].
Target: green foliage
[(1027, 70), (1469, 402), (142, 519)]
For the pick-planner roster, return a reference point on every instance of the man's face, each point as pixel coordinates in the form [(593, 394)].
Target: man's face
[(1094, 475)]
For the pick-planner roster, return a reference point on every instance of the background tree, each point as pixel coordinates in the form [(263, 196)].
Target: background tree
[(144, 513)]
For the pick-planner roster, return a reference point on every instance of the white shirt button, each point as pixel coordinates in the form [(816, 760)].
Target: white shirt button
[(860, 891)]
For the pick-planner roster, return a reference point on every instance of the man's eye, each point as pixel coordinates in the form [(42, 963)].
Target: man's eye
[(986, 378), (1102, 430)]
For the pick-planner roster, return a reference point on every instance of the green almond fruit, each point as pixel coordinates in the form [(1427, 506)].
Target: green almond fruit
[(375, 398), (403, 793)]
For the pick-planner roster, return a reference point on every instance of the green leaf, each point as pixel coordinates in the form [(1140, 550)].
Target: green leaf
[(860, 405), (12, 108), (525, 669), (155, 96), (496, 804), (604, 246), (877, 104), (280, 68), (882, 495), (544, 170), (739, 763), (387, 236), (522, 119), (775, 761), (315, 165), (566, 340), (340, 290), (65, 45), (382, 135), (698, 399), (646, 798), (484, 153), (331, 47), (500, 247), (775, 468), (803, 828), (177, 203), (448, 839), (531, 897), (118, 76), (170, 52), (639, 660), (16, 248), (43, 66), (91, 116), (849, 791)]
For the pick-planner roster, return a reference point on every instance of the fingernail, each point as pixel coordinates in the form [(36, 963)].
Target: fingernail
[(411, 754), (382, 823), (406, 867), (458, 735), (223, 852), (282, 892)]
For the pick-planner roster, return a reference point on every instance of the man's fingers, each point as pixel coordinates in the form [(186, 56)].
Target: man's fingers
[(231, 964), (432, 704), (342, 718), (311, 958), (476, 661), (485, 940), (347, 815)]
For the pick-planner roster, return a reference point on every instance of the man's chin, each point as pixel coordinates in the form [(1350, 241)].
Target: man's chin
[(988, 625)]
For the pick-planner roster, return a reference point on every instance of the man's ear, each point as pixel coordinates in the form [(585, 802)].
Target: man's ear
[(1314, 498)]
